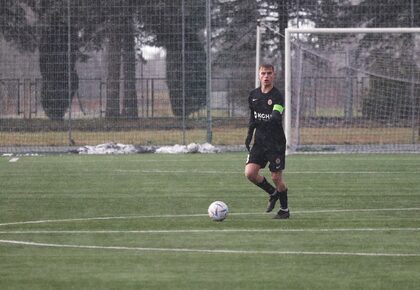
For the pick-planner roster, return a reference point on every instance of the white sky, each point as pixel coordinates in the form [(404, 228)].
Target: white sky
[(151, 52)]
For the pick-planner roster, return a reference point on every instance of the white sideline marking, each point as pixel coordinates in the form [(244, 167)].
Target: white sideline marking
[(203, 215), (15, 159), (219, 251), (241, 172), (178, 171), (326, 230), (102, 218)]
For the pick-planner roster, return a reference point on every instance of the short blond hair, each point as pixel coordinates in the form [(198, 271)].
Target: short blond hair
[(266, 66)]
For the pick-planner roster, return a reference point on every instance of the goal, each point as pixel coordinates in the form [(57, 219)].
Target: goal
[(352, 89)]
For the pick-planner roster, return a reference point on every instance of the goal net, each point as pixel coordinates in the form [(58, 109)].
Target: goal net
[(352, 90)]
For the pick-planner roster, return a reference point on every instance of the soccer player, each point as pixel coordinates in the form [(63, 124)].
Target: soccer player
[(267, 105)]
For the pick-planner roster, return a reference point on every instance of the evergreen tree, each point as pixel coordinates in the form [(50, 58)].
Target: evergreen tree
[(185, 53)]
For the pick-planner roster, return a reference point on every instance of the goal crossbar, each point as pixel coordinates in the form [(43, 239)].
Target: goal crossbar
[(353, 30)]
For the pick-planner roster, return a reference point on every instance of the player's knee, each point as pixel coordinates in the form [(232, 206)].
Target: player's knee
[(251, 175), (276, 176), (278, 181)]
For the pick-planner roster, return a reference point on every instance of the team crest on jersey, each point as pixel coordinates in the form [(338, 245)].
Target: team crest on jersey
[(270, 102)]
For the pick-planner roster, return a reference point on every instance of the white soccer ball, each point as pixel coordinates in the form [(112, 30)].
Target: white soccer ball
[(218, 211)]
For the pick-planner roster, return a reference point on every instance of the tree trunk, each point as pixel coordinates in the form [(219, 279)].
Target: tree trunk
[(112, 110), (54, 67), (130, 109)]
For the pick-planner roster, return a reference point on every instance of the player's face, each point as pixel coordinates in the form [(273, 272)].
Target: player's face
[(266, 76)]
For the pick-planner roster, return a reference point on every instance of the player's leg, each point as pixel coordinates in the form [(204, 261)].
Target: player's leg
[(254, 163), (277, 178), (252, 173), (281, 193), (277, 164), (281, 188)]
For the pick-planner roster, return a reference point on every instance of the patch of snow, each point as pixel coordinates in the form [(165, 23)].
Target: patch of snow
[(190, 148), (118, 148), (108, 148)]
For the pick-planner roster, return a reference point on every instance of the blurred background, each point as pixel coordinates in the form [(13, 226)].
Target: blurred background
[(161, 72)]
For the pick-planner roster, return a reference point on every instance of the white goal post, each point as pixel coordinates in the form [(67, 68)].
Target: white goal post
[(367, 64)]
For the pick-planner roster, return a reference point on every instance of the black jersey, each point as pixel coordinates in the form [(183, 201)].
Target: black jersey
[(268, 130)]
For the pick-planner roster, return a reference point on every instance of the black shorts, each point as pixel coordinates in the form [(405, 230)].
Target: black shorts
[(261, 156)]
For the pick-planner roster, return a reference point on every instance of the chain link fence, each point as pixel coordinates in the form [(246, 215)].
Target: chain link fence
[(86, 72)]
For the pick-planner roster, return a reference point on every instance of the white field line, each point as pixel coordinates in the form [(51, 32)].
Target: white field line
[(213, 251), (202, 215), (221, 172), (221, 231), (241, 172)]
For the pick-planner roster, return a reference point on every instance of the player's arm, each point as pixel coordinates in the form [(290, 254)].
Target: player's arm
[(251, 128), (277, 113), (278, 109), (252, 124)]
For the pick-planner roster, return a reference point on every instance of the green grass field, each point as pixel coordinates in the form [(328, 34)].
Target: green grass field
[(140, 222)]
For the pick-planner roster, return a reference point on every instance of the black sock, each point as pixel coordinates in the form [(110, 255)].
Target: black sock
[(266, 186), (283, 199)]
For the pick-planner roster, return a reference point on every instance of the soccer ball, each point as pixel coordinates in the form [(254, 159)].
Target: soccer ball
[(218, 211)]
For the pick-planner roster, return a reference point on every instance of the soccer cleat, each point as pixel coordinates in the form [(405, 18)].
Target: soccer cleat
[(272, 201), (282, 214)]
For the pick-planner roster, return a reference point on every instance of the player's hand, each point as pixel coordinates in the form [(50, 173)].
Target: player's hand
[(248, 142)]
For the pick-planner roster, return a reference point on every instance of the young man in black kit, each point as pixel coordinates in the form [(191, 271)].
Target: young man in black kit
[(267, 106)]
